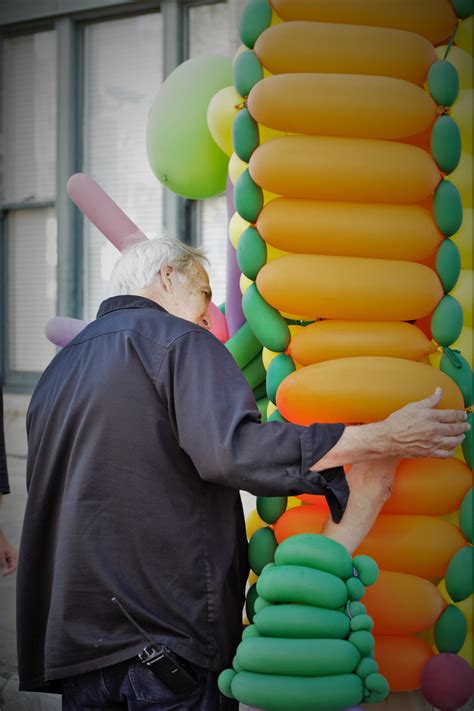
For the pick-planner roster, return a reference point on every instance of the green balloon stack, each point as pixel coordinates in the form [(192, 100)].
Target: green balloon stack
[(310, 645)]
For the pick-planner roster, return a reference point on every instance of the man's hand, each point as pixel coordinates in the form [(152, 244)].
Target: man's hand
[(8, 556), (419, 430), (416, 430)]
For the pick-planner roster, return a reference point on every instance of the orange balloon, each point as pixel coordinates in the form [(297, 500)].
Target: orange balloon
[(422, 139), (349, 229), (419, 545), (433, 19), (327, 340), (334, 168), (293, 47), (429, 486), (318, 104), (350, 288), (402, 604), (303, 519), (361, 389), (401, 660)]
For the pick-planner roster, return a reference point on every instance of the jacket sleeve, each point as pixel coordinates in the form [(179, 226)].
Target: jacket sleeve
[(216, 421)]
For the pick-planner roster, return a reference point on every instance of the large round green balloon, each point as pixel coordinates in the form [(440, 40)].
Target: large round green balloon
[(181, 150)]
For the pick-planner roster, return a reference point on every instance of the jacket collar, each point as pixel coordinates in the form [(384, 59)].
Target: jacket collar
[(116, 303)]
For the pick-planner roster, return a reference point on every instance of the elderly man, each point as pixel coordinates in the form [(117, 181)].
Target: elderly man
[(141, 433)]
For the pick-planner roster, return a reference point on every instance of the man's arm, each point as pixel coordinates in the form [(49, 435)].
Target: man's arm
[(8, 555), (370, 485), (416, 430)]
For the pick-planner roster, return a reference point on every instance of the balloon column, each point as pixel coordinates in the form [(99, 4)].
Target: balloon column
[(353, 230)]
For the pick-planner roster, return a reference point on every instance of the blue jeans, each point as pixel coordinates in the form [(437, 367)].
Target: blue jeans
[(130, 685)]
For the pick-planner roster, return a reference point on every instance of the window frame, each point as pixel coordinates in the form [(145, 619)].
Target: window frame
[(69, 18)]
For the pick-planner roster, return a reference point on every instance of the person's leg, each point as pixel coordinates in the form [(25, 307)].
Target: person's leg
[(98, 689), (145, 692)]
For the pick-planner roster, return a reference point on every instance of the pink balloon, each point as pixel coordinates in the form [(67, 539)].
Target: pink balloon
[(219, 323), (60, 330), (103, 212), (447, 681)]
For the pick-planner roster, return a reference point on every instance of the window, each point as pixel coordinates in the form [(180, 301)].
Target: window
[(29, 110), (122, 74)]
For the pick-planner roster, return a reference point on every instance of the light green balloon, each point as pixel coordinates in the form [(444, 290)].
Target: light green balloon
[(181, 150)]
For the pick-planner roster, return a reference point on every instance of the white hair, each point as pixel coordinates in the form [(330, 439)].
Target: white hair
[(138, 265)]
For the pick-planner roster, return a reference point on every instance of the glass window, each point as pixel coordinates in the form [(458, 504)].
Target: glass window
[(29, 151), (32, 284), (122, 74), (209, 33)]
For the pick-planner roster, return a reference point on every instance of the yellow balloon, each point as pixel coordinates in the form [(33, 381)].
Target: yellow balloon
[(236, 167), (461, 60), (268, 196), (274, 253), (461, 112), (294, 329), (459, 454), (244, 283), (293, 502), (271, 408), (435, 358), (466, 651), (452, 518), (464, 35), (253, 577), (463, 239), (267, 357), (462, 178), (237, 225), (220, 116), (253, 523), (268, 134), (463, 293), (276, 19), (464, 344)]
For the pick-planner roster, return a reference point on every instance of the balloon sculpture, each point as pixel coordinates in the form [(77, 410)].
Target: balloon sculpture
[(346, 142)]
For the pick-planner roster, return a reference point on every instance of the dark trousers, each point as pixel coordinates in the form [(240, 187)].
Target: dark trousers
[(130, 685)]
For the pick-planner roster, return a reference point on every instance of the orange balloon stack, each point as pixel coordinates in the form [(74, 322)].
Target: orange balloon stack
[(349, 201)]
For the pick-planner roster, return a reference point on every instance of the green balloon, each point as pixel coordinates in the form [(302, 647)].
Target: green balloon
[(254, 372), (224, 682), (248, 197), (367, 569), (450, 630), (355, 589), (468, 444), (250, 631), (247, 72), (459, 370), (377, 686), (261, 550), (364, 641), (302, 622), (267, 323), (245, 135), (252, 595), (448, 264), (466, 514), (302, 657), (259, 605), (254, 19), (296, 583), (446, 321), (251, 253), (315, 551), (181, 150), (460, 574), (443, 82), (362, 622), (260, 392), (288, 693), (446, 143), (356, 608), (270, 508), (276, 416), (280, 367), (262, 404), (243, 345), (447, 208), (463, 8), (366, 666)]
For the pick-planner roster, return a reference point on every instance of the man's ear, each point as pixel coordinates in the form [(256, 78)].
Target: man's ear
[(166, 278)]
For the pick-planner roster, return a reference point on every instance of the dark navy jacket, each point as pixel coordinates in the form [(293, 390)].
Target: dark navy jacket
[(141, 432)]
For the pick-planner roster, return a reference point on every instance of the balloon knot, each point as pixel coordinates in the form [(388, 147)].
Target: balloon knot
[(242, 105)]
